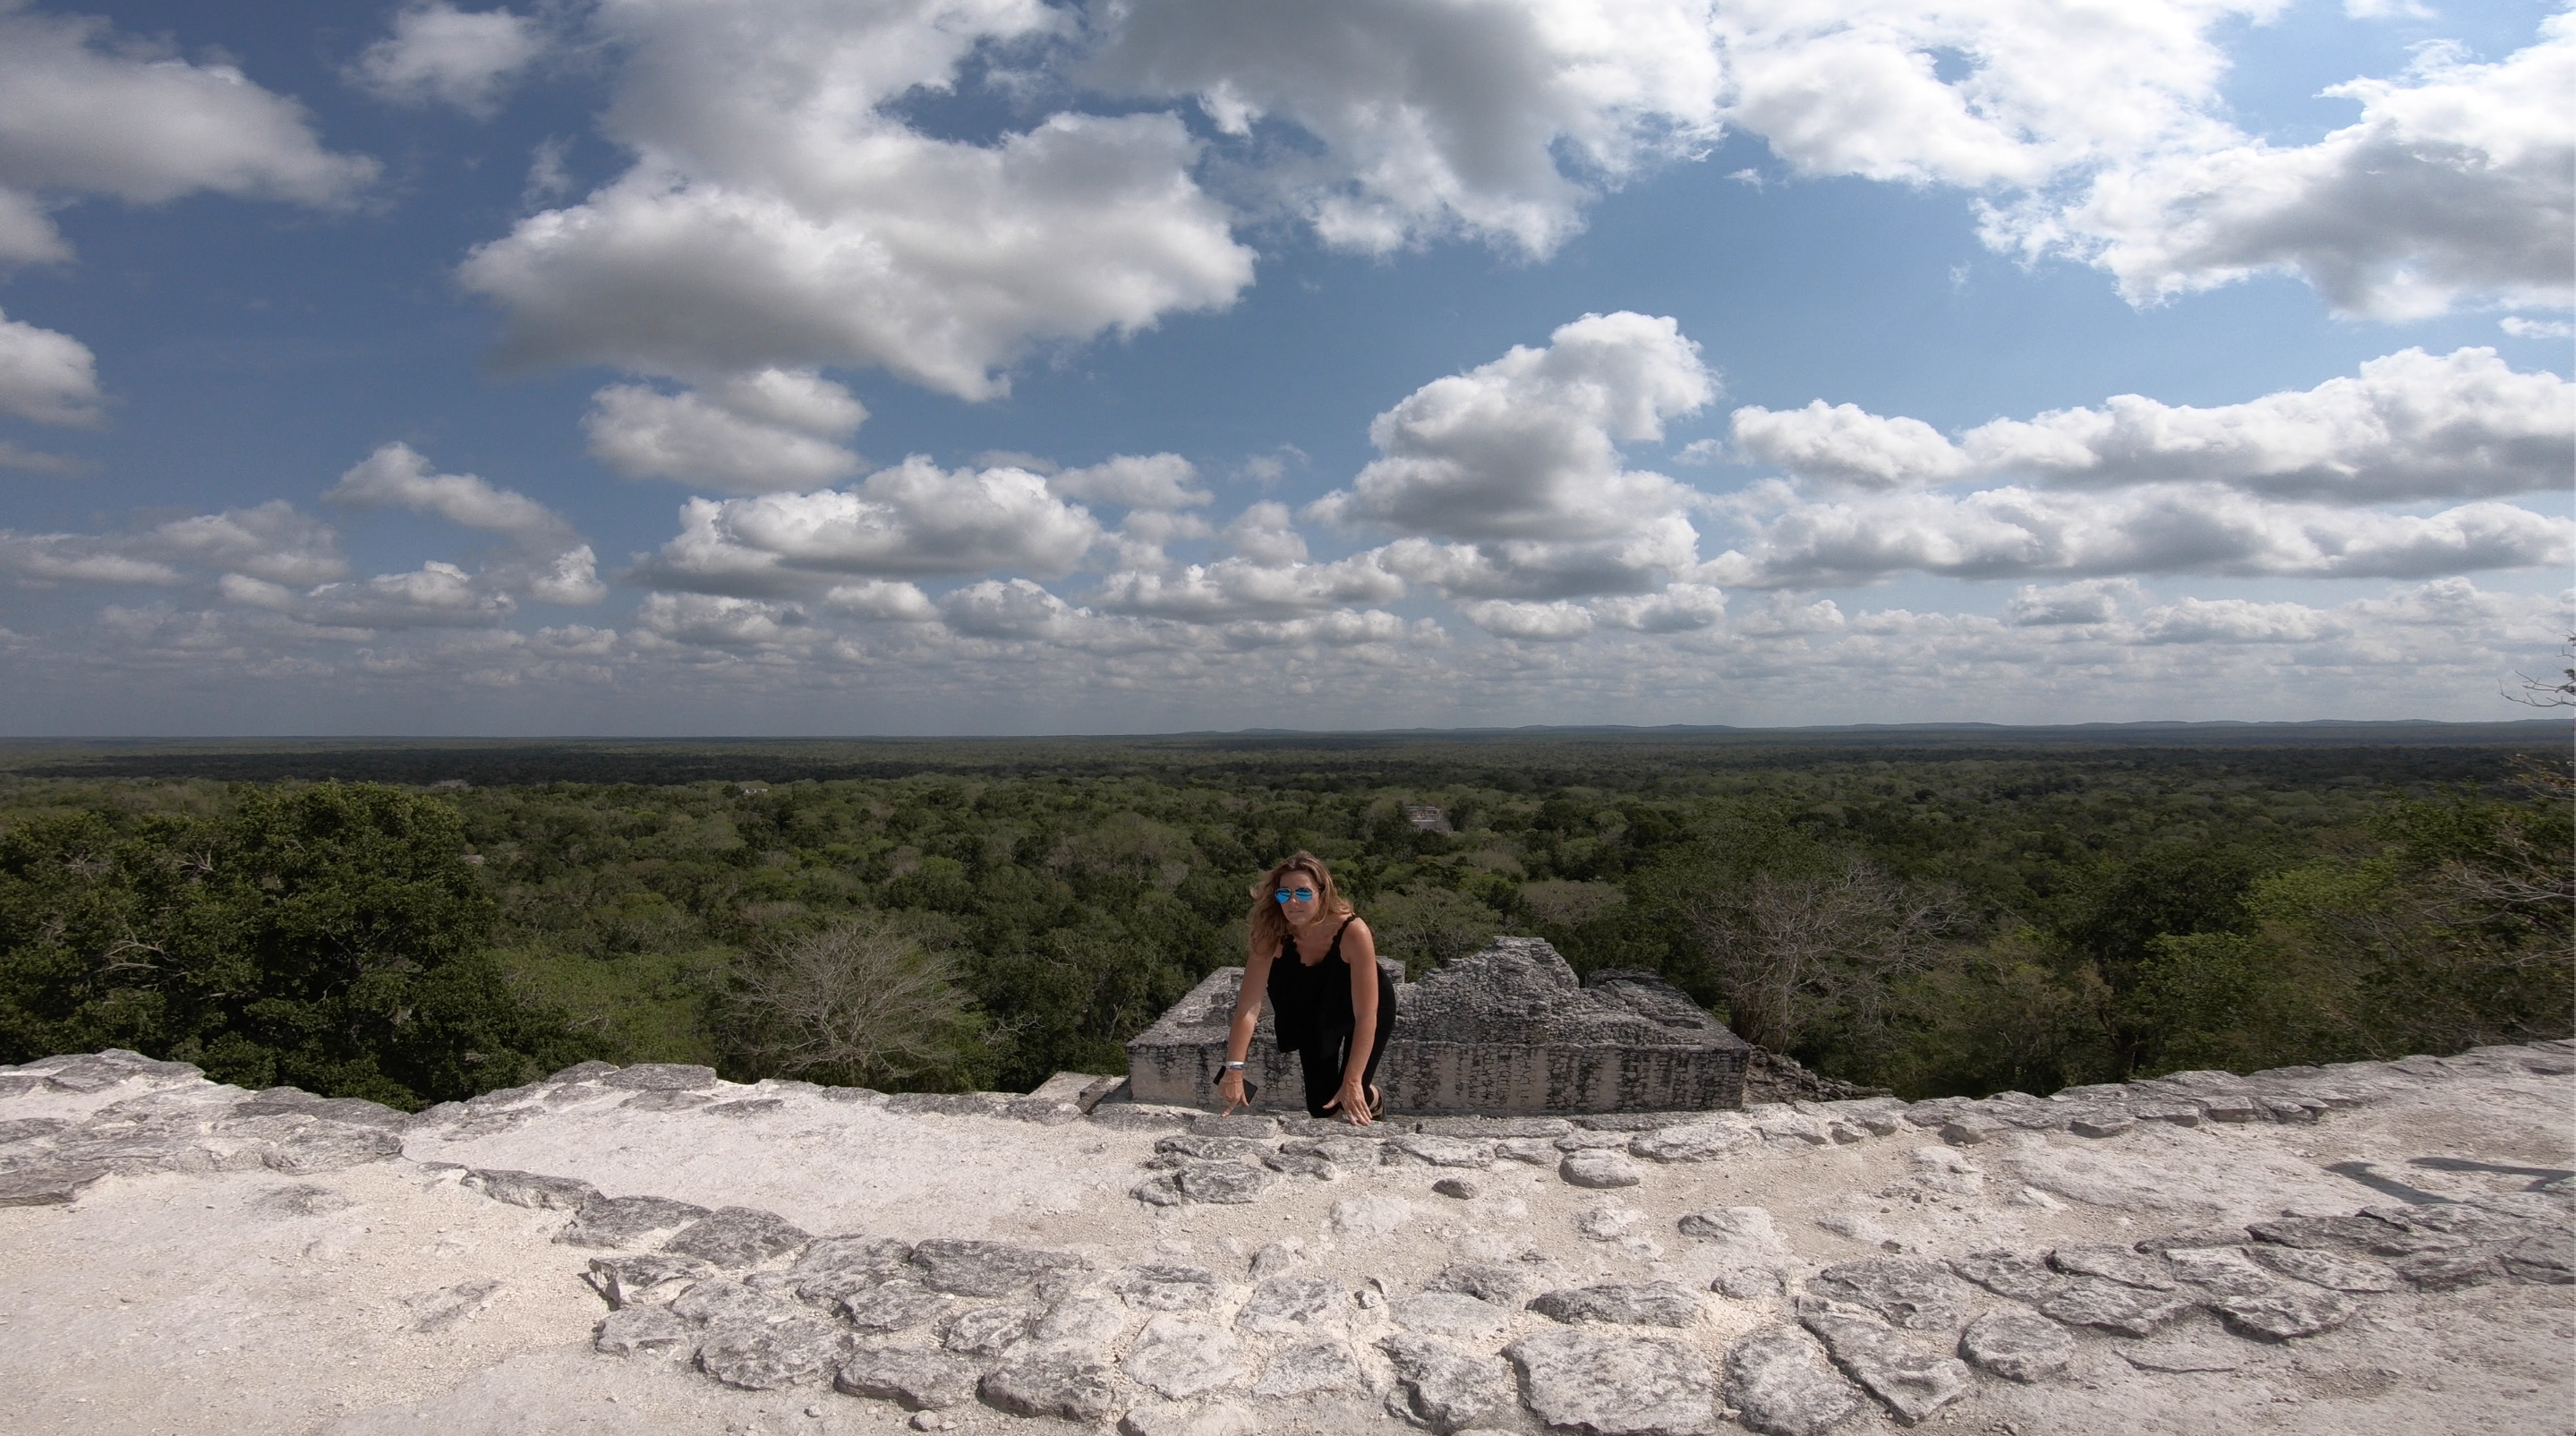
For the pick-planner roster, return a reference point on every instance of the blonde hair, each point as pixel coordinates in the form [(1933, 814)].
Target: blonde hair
[(1269, 921)]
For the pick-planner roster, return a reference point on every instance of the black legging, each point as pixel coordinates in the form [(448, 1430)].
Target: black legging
[(1327, 1053)]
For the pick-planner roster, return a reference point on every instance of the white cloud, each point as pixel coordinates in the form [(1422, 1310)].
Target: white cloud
[(884, 600), (2451, 187), (1676, 608), (2157, 528), (2234, 620), (720, 621), (1521, 458), (2091, 600), (78, 558), (435, 595), (1151, 481), (776, 216), (912, 520), (84, 111), (1555, 622), (570, 578), (438, 53), (45, 376), (2522, 328), (1434, 117), (398, 476), (771, 430), (1237, 588), (2409, 426)]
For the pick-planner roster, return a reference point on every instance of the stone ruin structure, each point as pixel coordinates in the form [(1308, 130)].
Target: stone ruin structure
[(1508, 1031)]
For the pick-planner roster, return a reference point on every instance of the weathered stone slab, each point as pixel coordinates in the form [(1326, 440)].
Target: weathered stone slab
[(1223, 1183), (977, 1268), (2328, 1269), (1612, 1386), (2023, 1276), (737, 1237), (1491, 1282), (2091, 1301), (1506, 1031), (2112, 1263), (1306, 1368), (530, 1189), (1779, 1384), (763, 1356), (1442, 1387), (892, 1306), (986, 1331), (1183, 1356), (626, 1221), (1913, 1380), (1292, 1305), (46, 1185), (1188, 1418), (919, 1380), (2017, 1345), (660, 1077), (1699, 1142), (23, 1129), (1440, 1151), (2284, 1313), (646, 1278), (1599, 1169), (1643, 1303), (1450, 1314), (1053, 1381), (2218, 1271), (1170, 1287), (650, 1329), (836, 1267), (1910, 1292)]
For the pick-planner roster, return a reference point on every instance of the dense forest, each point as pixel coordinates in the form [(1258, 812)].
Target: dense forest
[(1957, 911)]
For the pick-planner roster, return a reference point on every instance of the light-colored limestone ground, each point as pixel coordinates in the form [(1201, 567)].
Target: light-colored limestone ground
[(241, 1302)]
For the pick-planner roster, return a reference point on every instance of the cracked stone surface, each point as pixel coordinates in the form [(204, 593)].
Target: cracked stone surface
[(1611, 1386), (1598, 1168), (462, 1272)]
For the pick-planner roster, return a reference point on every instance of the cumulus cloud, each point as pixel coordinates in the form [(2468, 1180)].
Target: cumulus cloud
[(775, 429), (2092, 600), (84, 111), (552, 564), (777, 217), (1521, 458), (435, 595), (1554, 622), (1434, 117), (2451, 186), (45, 376), (2160, 528), (1152, 481), (2410, 426), (721, 621), (440, 54), (913, 520), (1238, 587)]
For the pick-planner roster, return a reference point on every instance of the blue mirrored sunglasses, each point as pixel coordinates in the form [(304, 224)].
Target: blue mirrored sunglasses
[(1300, 894)]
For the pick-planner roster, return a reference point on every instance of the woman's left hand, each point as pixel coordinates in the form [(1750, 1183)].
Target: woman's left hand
[(1352, 1102)]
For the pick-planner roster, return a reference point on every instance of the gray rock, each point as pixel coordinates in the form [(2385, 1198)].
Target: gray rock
[(1910, 1292), (1748, 1227), (1598, 1168), (2091, 1301), (1135, 1117), (1609, 1386), (1299, 1165), (892, 1306), (650, 1329), (1082, 1320), (747, 1107), (2545, 1260), (2017, 1345), (1276, 1257), (530, 1189), (1699, 1142), (2334, 1233), (1185, 1418), (1204, 1147), (1536, 1151), (1162, 1190), (1053, 1381), (720, 1299), (1044, 1111), (2232, 1109), (1449, 1313), (1222, 1183), (1441, 1151), (2328, 1269), (950, 1104), (1777, 1381), (985, 1331), (1911, 1379), (918, 1380), (1748, 1283), (1586, 1140), (1170, 1287), (638, 1280), (2111, 1263), (46, 1184), (582, 1072), (660, 1077), (1356, 1152), (1292, 1306), (626, 1221), (737, 1237), (449, 1306), (978, 1268), (1306, 1368), (303, 1199), (670, 1099), (2284, 1313), (1442, 1387), (2167, 1110), (1491, 1129), (1643, 1303), (2185, 1241), (2101, 1122), (1245, 1125), (1458, 1187), (23, 1129), (2450, 1270), (1183, 1356), (332, 1147), (836, 1267), (2019, 1275), (2218, 1271), (765, 1355), (1495, 1282)]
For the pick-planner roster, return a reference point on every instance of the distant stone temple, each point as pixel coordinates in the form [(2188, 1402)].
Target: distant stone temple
[(1507, 1031)]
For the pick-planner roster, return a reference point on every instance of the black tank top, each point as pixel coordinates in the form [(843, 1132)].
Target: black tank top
[(1310, 1001)]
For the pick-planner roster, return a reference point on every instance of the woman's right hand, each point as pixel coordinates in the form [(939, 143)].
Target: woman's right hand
[(1229, 1085)]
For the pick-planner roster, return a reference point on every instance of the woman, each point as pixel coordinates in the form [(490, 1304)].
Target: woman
[(1317, 964)]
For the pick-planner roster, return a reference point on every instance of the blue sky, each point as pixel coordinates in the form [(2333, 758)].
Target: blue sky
[(784, 366)]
